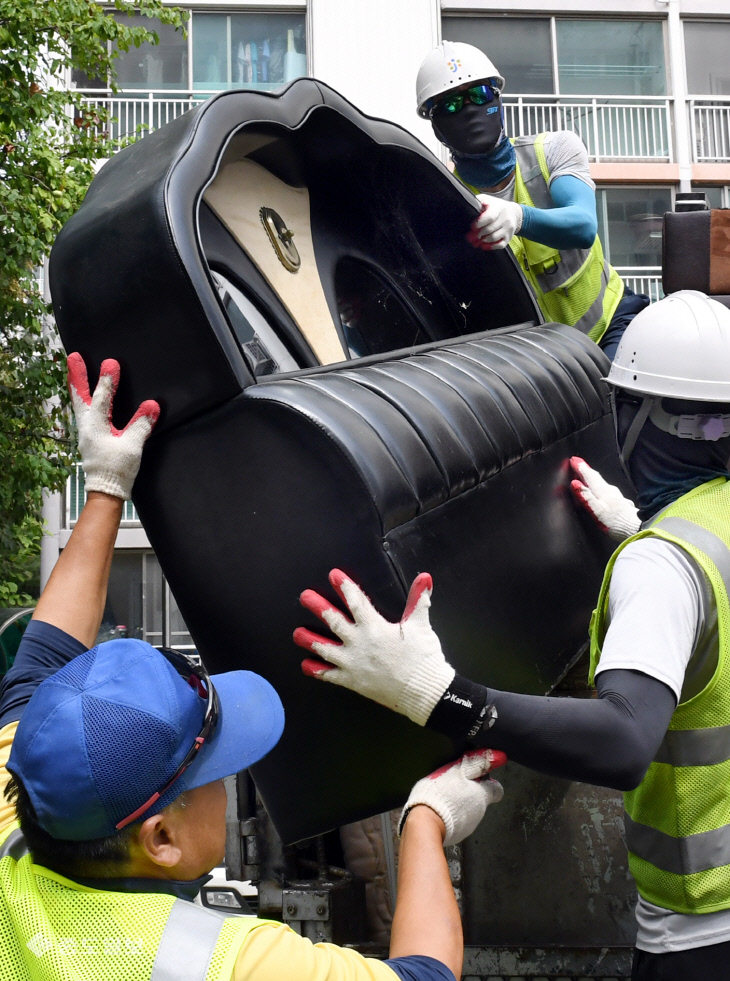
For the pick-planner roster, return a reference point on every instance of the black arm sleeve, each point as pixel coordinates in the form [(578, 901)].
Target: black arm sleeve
[(609, 740)]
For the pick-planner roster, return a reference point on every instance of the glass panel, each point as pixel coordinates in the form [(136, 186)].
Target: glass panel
[(611, 57), (706, 47), (259, 51), (630, 224), (82, 81), (373, 318), (155, 591), (123, 610), (519, 48), (715, 195), (154, 66), (152, 596)]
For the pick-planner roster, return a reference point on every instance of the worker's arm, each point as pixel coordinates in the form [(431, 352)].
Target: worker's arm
[(75, 594), (426, 936), (571, 223), (611, 740), (67, 617)]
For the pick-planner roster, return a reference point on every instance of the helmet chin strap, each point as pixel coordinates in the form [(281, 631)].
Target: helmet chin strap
[(637, 424)]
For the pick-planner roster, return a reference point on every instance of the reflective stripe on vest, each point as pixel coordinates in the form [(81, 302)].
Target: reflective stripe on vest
[(680, 856), (564, 280), (568, 262), (677, 820), (14, 846), (187, 944)]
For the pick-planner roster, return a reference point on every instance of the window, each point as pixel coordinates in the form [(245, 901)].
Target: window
[(154, 66), (140, 605), (593, 57), (717, 197), (706, 47), (520, 48), (258, 51), (221, 51), (611, 57), (630, 224)]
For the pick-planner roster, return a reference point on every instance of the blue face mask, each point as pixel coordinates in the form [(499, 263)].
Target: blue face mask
[(489, 169)]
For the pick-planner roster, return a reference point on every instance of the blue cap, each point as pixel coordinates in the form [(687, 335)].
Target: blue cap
[(108, 730)]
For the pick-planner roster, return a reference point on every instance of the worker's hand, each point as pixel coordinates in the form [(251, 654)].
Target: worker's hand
[(110, 457), (614, 513), (459, 793), (498, 222), (400, 665)]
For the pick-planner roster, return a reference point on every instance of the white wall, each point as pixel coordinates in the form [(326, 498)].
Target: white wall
[(370, 52)]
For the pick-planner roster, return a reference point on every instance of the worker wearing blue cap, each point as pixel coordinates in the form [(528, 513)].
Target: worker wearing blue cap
[(112, 759)]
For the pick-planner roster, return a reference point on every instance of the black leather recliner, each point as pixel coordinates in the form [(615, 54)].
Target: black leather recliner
[(447, 455)]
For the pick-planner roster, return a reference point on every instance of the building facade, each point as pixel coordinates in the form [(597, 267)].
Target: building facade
[(645, 84)]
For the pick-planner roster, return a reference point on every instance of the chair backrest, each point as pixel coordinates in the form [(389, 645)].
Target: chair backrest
[(174, 262), (452, 460)]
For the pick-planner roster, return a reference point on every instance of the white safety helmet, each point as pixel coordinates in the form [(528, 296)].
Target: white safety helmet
[(677, 348), (449, 65)]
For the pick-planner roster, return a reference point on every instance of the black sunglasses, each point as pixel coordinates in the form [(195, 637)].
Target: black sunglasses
[(480, 95), (198, 678)]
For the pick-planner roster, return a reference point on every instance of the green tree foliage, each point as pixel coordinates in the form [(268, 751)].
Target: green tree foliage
[(48, 151)]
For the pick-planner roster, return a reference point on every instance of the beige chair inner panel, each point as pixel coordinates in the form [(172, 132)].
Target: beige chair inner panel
[(237, 194)]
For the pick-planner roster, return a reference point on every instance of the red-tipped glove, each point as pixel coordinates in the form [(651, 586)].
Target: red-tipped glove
[(459, 792), (497, 224), (110, 457), (612, 512), (400, 665)]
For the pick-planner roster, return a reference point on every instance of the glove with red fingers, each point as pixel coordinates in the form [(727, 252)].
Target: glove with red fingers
[(400, 665), (497, 224), (459, 793), (614, 513), (110, 457)]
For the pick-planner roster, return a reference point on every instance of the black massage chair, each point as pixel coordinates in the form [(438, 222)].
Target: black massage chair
[(344, 382)]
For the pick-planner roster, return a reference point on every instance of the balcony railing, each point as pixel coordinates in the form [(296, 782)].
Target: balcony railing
[(710, 128), (611, 128), (134, 115), (643, 279), (76, 498)]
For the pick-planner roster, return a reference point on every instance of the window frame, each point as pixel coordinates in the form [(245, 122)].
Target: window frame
[(207, 7), (449, 12)]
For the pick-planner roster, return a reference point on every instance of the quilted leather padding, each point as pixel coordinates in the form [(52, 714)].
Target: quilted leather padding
[(452, 461)]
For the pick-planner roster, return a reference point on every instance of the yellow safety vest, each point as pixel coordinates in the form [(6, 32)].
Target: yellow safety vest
[(572, 286), (678, 819), (53, 929)]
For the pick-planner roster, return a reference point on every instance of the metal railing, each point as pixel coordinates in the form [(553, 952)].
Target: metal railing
[(133, 115), (643, 279), (611, 128), (76, 498), (710, 129)]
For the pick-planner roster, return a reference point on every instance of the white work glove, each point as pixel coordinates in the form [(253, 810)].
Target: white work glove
[(459, 793), (110, 457), (614, 513), (400, 665), (498, 222)]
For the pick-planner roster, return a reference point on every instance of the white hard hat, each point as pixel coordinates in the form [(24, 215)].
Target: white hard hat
[(450, 65), (676, 348)]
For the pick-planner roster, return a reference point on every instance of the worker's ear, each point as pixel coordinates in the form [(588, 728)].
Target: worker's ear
[(157, 839)]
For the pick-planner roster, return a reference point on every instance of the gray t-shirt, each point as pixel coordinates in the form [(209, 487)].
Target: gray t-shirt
[(565, 155), (659, 605)]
